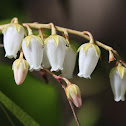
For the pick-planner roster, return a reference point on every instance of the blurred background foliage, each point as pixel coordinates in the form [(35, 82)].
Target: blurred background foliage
[(46, 104)]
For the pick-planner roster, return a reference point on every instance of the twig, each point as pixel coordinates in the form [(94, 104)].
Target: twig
[(58, 78), (61, 29), (72, 108), (79, 33)]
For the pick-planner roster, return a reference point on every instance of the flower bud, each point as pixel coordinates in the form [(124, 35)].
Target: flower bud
[(20, 68), (56, 51), (69, 63), (13, 35), (88, 58), (73, 94), (33, 51), (118, 82)]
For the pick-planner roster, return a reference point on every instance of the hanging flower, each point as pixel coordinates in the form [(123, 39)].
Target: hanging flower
[(73, 93), (20, 68), (45, 60), (56, 51), (88, 58), (33, 51), (13, 35), (69, 62), (118, 82)]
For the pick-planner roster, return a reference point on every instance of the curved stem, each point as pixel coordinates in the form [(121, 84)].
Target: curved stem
[(72, 108), (66, 36), (41, 34), (63, 86), (53, 29), (66, 80), (28, 28), (61, 29), (90, 36)]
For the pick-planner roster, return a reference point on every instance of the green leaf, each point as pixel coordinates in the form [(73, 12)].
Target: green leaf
[(22, 116)]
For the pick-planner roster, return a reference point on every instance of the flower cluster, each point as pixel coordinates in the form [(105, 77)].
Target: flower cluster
[(57, 53)]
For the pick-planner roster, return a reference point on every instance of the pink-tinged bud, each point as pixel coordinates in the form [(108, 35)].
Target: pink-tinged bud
[(73, 93), (20, 68)]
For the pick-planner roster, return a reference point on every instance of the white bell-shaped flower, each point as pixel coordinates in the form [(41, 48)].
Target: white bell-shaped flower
[(69, 62), (88, 58), (45, 61), (118, 82), (13, 36), (56, 51), (20, 68), (33, 51)]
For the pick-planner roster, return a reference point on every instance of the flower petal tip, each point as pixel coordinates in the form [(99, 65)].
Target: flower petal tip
[(56, 69), (82, 75), (10, 56)]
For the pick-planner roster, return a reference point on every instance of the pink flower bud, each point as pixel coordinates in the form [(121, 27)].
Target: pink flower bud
[(20, 68), (73, 93)]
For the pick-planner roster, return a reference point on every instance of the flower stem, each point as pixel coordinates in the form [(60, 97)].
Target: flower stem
[(72, 108), (66, 36), (63, 86), (28, 28), (90, 36), (21, 54), (53, 29), (41, 34), (78, 33)]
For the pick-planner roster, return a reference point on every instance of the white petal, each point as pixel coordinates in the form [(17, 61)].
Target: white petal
[(69, 63), (115, 81), (45, 60), (12, 41), (56, 54), (33, 53), (87, 62), (123, 87)]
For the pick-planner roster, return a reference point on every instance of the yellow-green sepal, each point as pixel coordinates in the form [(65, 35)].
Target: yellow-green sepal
[(18, 61), (72, 88), (16, 25), (28, 39), (120, 69), (56, 39), (80, 48), (88, 45)]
